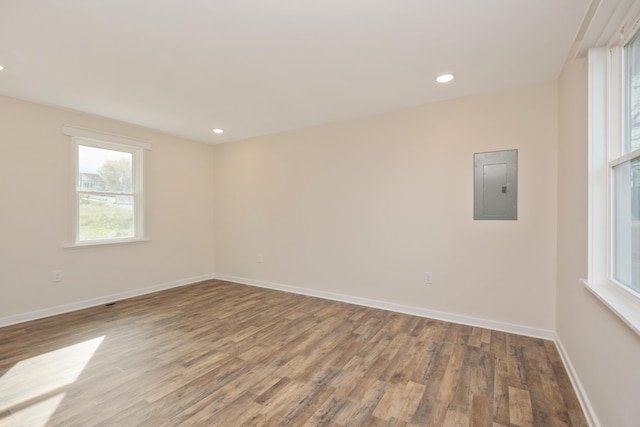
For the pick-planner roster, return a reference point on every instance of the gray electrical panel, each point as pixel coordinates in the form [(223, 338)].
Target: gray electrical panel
[(495, 185)]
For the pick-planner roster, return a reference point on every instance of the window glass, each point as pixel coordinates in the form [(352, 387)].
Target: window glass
[(102, 217), (625, 178), (106, 203), (626, 224), (632, 82), (104, 170)]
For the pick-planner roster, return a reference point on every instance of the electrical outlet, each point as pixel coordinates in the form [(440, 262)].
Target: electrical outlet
[(428, 279), (57, 276), (259, 258)]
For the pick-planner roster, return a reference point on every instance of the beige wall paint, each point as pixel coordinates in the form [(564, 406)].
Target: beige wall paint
[(602, 349), (35, 169), (365, 207)]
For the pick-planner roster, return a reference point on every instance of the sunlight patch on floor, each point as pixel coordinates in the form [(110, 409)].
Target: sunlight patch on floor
[(34, 415), (25, 388)]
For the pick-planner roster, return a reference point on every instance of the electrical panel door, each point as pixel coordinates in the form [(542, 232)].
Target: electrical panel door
[(495, 185)]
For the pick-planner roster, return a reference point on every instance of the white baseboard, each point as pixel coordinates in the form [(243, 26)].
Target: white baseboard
[(417, 311), (39, 314), (587, 409)]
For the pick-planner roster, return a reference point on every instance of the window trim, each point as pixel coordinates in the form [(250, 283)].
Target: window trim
[(87, 137), (605, 119), (75, 131)]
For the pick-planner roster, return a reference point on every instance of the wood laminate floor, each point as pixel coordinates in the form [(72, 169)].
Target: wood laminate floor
[(223, 354)]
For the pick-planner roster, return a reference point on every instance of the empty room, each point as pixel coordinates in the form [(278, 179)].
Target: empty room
[(320, 213)]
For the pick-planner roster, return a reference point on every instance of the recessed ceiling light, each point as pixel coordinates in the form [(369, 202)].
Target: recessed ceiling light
[(444, 78), (217, 130), (1, 67)]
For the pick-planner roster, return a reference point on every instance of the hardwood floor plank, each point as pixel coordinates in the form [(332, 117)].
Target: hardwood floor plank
[(411, 397), (501, 392), (556, 377), (308, 405), (363, 384), (520, 413), (325, 414), (220, 354), (480, 414), (356, 412), (449, 383), (433, 377), (388, 405), (455, 418)]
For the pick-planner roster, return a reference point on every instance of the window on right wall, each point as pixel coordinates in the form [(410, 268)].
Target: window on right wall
[(625, 176), (614, 175)]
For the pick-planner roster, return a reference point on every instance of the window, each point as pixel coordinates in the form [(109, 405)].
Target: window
[(107, 188), (614, 177), (625, 176)]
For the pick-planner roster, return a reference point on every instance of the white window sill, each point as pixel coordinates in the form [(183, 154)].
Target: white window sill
[(97, 243), (625, 305)]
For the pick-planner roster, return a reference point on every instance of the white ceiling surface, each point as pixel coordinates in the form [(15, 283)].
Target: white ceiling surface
[(255, 67)]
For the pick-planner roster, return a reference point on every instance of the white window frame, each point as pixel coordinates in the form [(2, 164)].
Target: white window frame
[(605, 138), (91, 138)]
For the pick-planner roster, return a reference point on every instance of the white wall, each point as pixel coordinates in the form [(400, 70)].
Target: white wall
[(35, 216), (365, 207), (603, 351)]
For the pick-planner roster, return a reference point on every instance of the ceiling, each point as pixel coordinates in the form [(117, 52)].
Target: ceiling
[(255, 67)]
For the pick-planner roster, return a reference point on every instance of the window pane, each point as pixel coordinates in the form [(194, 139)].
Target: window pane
[(104, 170), (102, 217), (632, 58), (626, 227)]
